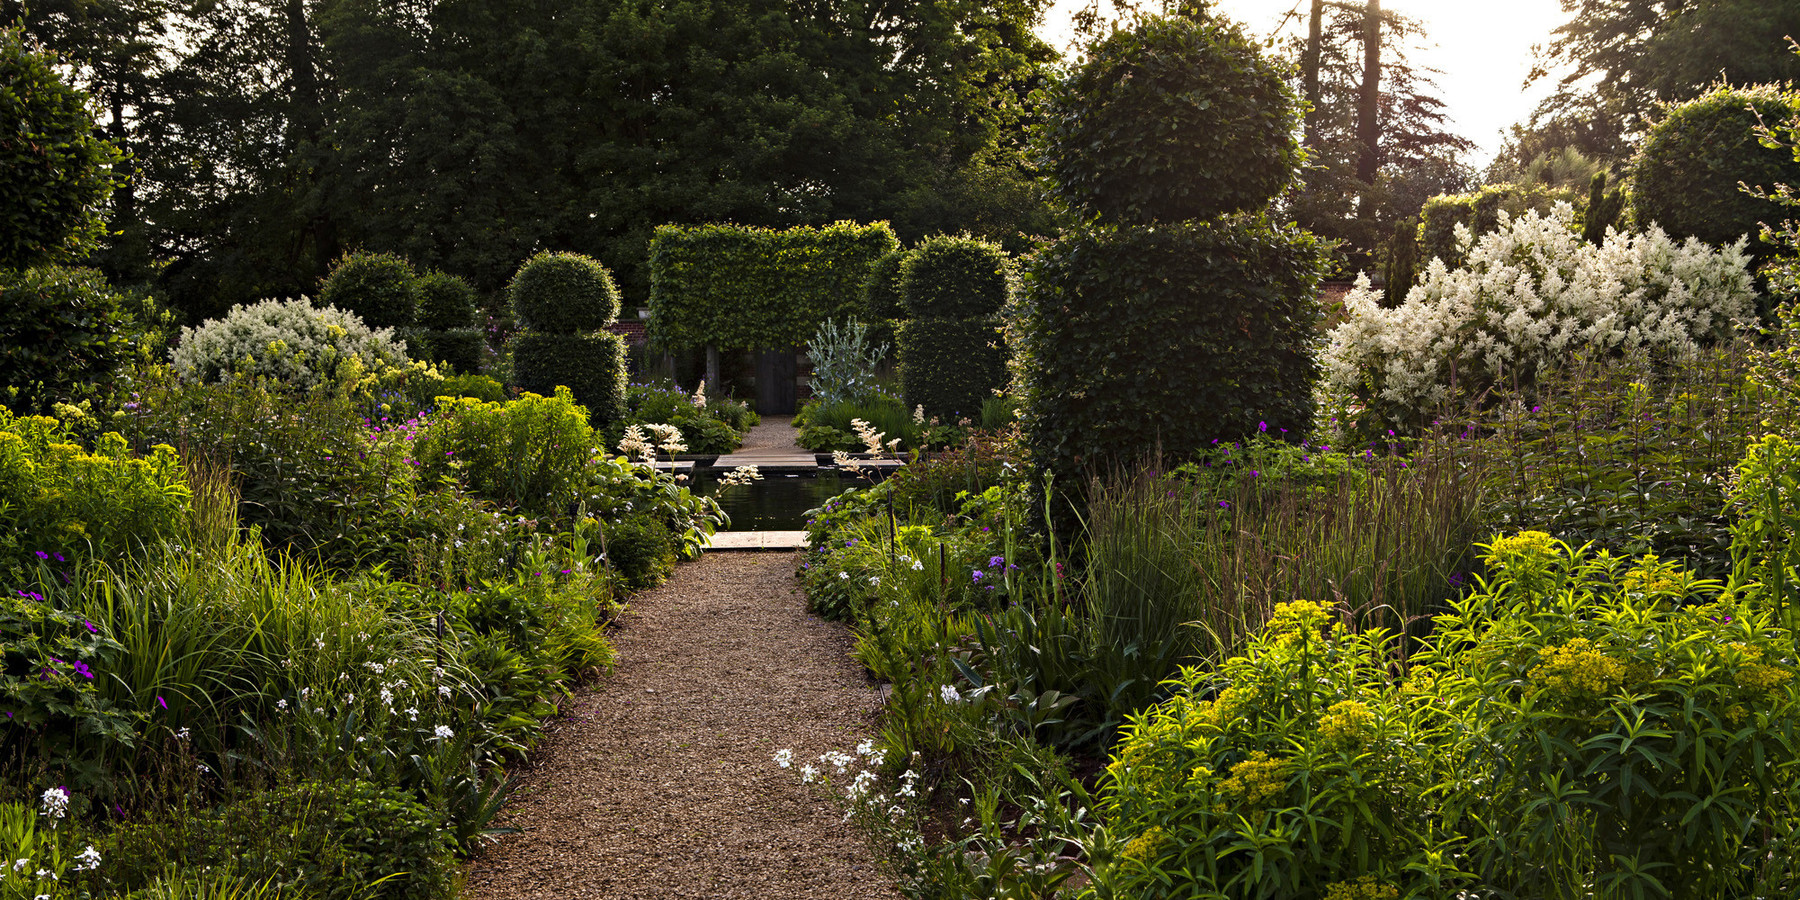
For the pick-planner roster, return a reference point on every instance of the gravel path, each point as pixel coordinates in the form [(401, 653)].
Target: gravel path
[(658, 782)]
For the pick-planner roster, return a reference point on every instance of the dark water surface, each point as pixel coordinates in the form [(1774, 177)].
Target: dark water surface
[(777, 502)]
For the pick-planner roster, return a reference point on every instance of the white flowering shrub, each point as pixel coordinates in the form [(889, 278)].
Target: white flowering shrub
[(1530, 294), (290, 341)]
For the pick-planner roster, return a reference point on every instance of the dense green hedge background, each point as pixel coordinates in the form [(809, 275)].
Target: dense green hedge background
[(738, 287), (1170, 336), (1685, 175), (950, 366), (592, 366)]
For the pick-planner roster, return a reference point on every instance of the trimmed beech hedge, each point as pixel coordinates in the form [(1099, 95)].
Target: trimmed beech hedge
[(380, 288), (954, 277), (563, 293), (740, 287), (592, 366), (1143, 338), (950, 366), (1479, 210), (1172, 119), (1685, 175), (881, 290)]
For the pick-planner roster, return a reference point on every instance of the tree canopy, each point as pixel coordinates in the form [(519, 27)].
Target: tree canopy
[(274, 135)]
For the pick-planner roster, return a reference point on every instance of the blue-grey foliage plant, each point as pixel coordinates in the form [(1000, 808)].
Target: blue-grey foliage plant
[(844, 362)]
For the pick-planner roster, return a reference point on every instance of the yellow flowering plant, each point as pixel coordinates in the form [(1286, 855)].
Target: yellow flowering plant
[(1633, 728)]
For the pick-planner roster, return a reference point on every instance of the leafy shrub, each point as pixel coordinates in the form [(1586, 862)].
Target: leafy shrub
[(590, 366), (62, 335), (289, 341), (950, 366), (332, 840), (56, 497), (844, 362), (1172, 119), (49, 662), (1174, 336), (480, 387), (381, 289), (716, 426), (1686, 173), (1478, 212), (954, 277), (528, 454), (1526, 752), (58, 171), (303, 464), (641, 549), (446, 302), (740, 287), (462, 348), (828, 426), (1531, 294), (563, 294)]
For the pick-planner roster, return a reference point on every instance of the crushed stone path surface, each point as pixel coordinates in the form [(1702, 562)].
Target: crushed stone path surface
[(658, 782)]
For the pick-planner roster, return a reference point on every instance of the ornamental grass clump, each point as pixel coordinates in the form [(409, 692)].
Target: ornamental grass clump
[(1530, 294)]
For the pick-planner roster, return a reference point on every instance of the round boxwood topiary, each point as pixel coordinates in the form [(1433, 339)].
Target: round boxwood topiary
[(591, 366), (1141, 339), (564, 293), (445, 301), (1173, 119), (1685, 176), (380, 288), (954, 277)]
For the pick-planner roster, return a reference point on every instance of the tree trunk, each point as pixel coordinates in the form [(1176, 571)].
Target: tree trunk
[(713, 388), (1368, 130), (1315, 37)]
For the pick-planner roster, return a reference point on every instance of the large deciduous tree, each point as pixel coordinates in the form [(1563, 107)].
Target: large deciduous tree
[(1617, 59)]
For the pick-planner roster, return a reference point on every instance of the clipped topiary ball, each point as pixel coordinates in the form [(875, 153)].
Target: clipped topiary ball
[(954, 277), (380, 288), (1685, 176), (564, 293), (1171, 120), (446, 302)]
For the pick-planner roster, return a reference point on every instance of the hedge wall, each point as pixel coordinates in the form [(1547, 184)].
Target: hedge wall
[(1137, 338), (950, 366), (1479, 210), (734, 286), (592, 366)]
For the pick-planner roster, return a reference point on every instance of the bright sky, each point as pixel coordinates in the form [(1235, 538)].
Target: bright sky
[(1482, 49)]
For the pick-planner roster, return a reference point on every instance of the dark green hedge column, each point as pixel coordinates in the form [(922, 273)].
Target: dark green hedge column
[(564, 301)]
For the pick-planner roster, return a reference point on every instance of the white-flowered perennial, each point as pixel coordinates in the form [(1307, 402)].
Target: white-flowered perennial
[(1530, 294)]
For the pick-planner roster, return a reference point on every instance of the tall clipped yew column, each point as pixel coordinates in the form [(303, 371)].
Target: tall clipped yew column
[(1177, 313), (563, 302), (951, 356)]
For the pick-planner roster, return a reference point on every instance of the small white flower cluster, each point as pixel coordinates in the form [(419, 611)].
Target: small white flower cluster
[(636, 444), (1530, 294), (291, 341), (740, 476), (872, 439), (56, 803), (699, 398), (669, 438)]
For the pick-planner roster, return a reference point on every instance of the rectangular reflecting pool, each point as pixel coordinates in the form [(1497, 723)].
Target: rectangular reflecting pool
[(777, 502)]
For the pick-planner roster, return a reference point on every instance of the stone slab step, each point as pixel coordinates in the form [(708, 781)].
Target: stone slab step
[(752, 541)]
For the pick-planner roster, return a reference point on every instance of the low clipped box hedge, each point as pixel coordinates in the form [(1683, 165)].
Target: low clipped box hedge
[(563, 293), (592, 366), (380, 288), (1172, 119), (950, 366), (1685, 175), (743, 287), (1137, 339)]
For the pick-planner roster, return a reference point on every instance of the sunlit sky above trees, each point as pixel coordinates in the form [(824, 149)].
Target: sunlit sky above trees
[(1483, 50)]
